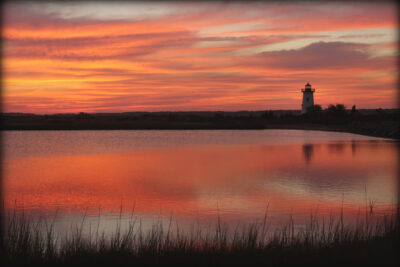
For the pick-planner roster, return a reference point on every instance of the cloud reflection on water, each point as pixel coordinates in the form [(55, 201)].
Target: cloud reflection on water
[(193, 181)]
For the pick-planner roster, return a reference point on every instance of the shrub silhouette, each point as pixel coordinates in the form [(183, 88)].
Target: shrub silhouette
[(314, 109), (268, 115), (338, 108), (353, 109)]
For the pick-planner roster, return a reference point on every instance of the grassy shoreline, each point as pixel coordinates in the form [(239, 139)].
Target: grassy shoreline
[(319, 243), (288, 127)]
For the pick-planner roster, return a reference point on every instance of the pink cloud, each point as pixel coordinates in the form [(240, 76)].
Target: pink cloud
[(195, 59)]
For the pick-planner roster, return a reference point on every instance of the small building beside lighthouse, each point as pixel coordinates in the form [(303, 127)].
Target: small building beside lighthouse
[(308, 97)]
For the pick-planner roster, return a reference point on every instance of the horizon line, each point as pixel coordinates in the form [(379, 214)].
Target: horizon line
[(181, 111)]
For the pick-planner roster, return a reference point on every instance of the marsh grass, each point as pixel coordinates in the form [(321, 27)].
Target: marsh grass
[(320, 241)]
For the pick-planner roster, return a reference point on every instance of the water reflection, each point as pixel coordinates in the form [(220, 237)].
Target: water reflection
[(337, 147), (192, 182), (353, 147), (307, 152)]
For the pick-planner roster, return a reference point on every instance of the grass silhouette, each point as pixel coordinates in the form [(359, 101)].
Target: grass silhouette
[(319, 242)]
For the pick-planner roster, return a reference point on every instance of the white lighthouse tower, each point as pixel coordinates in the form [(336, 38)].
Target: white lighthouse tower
[(308, 97)]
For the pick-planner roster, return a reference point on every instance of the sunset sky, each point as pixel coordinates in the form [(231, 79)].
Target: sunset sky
[(170, 56)]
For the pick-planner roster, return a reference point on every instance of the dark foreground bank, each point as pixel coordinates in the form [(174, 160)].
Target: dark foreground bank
[(327, 243), (379, 123)]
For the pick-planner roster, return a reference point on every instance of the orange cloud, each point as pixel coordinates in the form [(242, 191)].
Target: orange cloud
[(217, 57)]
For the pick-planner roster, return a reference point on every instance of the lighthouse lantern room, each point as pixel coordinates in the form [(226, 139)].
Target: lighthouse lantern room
[(308, 97)]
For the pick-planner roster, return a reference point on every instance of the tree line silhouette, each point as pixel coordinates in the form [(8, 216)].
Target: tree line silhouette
[(378, 122)]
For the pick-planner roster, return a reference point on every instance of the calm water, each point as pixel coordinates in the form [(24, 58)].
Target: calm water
[(194, 176)]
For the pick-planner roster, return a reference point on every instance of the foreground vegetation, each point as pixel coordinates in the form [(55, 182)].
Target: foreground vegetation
[(380, 123), (319, 243)]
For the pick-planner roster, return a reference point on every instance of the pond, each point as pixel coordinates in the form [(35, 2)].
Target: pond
[(197, 176)]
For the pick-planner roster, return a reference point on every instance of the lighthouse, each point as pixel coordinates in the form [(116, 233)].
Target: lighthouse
[(308, 97)]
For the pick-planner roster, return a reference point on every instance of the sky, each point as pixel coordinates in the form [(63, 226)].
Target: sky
[(69, 57)]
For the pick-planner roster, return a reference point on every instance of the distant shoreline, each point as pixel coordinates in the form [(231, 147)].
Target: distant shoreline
[(375, 123), (295, 127)]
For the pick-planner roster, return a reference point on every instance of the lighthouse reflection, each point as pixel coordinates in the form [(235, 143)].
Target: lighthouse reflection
[(308, 150)]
